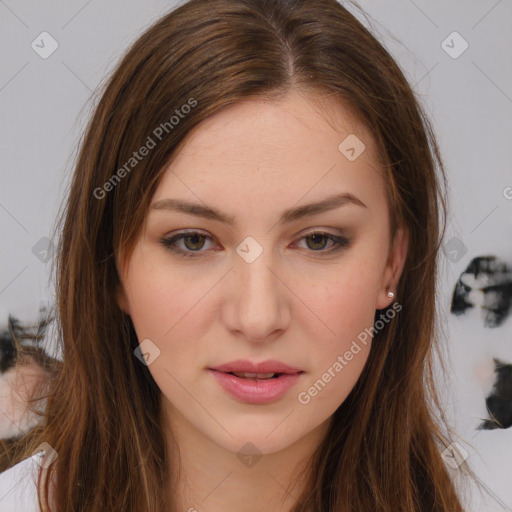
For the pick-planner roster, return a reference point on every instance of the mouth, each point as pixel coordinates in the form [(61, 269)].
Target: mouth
[(244, 368), (258, 376), (256, 388)]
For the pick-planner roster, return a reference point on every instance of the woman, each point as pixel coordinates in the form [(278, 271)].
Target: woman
[(246, 277)]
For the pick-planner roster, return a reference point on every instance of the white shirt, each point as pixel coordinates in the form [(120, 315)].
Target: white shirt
[(18, 487)]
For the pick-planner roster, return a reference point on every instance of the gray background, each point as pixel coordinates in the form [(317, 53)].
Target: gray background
[(44, 104)]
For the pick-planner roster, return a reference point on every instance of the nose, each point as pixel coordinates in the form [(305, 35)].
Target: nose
[(259, 308)]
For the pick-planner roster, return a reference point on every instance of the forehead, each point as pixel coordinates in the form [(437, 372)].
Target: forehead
[(261, 124), (261, 151)]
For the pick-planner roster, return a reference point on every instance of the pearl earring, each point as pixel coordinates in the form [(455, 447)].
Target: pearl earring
[(391, 294)]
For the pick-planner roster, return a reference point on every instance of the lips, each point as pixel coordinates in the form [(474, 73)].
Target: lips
[(256, 383), (256, 391)]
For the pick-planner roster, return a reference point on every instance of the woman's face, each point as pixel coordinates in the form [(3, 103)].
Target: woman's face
[(253, 283)]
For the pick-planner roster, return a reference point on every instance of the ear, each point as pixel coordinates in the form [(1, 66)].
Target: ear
[(393, 269), (122, 299)]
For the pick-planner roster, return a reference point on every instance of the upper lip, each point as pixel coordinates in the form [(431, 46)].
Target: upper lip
[(244, 365)]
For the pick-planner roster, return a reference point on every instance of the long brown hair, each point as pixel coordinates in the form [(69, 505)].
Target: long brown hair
[(383, 449)]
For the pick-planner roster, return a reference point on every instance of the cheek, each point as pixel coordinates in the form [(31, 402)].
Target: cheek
[(346, 305), (172, 308), (338, 358), (158, 298), (346, 308)]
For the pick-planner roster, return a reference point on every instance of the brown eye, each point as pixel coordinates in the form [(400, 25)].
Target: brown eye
[(196, 241), (316, 242), (190, 243), (317, 239)]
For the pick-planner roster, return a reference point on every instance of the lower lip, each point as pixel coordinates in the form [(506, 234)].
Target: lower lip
[(256, 391)]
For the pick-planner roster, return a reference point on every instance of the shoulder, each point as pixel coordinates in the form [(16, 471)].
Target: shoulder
[(18, 487)]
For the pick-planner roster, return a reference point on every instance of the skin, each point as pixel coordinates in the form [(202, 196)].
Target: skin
[(252, 161)]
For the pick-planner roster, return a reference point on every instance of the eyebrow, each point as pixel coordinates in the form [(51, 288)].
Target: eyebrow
[(290, 215)]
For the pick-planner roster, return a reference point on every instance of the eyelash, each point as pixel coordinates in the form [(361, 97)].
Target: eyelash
[(170, 243)]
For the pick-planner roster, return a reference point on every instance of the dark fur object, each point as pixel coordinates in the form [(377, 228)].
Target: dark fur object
[(22, 341), (495, 277), (499, 402)]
